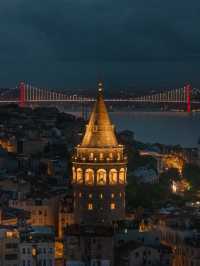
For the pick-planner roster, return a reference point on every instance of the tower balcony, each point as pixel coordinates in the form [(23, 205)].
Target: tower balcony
[(97, 160), (100, 155)]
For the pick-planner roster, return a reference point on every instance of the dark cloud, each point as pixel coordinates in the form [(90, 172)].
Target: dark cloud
[(73, 42)]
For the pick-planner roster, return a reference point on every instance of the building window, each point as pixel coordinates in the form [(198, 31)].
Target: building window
[(80, 195), (112, 206), (90, 196), (50, 250), (90, 206), (122, 178), (113, 176), (101, 196), (74, 174), (101, 177), (89, 177), (79, 172)]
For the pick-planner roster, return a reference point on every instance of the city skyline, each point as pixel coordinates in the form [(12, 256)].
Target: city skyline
[(73, 44), (99, 133)]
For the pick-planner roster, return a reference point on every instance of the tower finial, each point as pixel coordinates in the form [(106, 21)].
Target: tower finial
[(100, 88)]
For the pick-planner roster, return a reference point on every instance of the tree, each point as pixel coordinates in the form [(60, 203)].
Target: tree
[(191, 172)]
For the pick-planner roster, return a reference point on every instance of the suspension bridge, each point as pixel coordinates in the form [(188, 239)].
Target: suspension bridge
[(25, 95)]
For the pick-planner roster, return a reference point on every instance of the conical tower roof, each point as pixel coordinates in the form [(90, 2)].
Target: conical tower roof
[(99, 131)]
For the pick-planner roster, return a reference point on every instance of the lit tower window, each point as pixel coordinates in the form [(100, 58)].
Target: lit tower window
[(89, 177), (111, 155), (113, 176), (91, 157), (74, 174), (122, 176), (118, 156), (101, 177), (79, 172), (101, 156)]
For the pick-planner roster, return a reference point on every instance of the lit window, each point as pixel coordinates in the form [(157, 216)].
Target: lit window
[(122, 176), (101, 177), (113, 176), (91, 156), (74, 174), (89, 177), (112, 206), (34, 252), (90, 206), (79, 172), (90, 196), (101, 156), (9, 234), (101, 196)]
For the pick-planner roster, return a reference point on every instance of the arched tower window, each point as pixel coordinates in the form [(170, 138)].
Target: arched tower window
[(118, 156), (74, 174), (101, 156), (79, 173), (113, 176), (122, 177), (91, 157), (89, 177), (101, 177)]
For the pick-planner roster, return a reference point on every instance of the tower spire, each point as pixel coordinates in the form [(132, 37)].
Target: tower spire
[(99, 130), (100, 89)]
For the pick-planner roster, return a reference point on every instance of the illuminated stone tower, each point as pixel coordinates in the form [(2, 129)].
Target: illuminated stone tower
[(99, 170)]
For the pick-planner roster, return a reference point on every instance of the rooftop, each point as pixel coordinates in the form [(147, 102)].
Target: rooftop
[(99, 130)]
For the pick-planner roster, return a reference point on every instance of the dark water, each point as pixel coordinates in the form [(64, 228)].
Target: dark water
[(163, 127)]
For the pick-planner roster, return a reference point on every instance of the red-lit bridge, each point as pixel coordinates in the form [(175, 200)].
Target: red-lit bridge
[(26, 94)]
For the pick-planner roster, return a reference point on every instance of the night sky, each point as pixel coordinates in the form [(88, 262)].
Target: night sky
[(72, 43)]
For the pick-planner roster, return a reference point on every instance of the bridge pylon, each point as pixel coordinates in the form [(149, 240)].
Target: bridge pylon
[(22, 95), (188, 89)]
